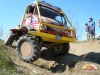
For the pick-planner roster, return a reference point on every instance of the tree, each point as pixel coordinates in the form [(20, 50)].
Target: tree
[(72, 17)]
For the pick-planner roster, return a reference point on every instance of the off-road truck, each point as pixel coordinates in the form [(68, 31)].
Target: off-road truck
[(43, 25)]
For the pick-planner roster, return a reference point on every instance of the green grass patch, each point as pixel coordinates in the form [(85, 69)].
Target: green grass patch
[(7, 67)]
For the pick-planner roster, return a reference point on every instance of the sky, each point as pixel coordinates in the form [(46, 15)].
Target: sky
[(11, 12)]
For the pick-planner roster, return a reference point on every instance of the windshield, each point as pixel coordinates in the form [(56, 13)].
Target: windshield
[(49, 13)]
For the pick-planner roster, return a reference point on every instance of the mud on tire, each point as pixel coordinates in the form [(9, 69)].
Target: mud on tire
[(9, 39), (60, 49), (28, 49)]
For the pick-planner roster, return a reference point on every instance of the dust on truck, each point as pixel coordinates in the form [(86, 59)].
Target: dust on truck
[(43, 25)]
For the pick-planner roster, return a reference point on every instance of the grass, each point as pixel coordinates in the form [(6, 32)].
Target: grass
[(7, 67)]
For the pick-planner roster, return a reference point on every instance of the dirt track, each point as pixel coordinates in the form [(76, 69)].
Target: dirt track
[(49, 65)]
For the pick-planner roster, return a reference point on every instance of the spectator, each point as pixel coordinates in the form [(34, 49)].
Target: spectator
[(99, 38), (99, 23), (92, 28), (99, 33), (87, 30)]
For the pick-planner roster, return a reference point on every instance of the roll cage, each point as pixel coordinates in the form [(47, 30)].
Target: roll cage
[(54, 8)]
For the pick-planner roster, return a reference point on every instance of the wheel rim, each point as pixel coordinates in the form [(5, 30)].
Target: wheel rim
[(58, 48), (26, 49)]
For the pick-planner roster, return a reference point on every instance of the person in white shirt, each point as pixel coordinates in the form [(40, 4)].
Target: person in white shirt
[(92, 28)]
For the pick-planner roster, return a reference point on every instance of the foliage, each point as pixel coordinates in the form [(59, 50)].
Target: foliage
[(79, 30)]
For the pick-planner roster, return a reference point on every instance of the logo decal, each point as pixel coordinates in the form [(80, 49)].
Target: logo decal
[(89, 67)]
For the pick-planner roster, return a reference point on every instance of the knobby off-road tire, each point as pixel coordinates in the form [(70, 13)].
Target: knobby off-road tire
[(28, 49), (9, 39), (59, 49)]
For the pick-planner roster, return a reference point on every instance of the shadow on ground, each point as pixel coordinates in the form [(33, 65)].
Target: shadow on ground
[(14, 47), (61, 62), (69, 60), (92, 56)]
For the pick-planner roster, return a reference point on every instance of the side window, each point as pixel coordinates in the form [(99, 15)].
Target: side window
[(64, 21), (58, 18), (35, 11), (29, 9)]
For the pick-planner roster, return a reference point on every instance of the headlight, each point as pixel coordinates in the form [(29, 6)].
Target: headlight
[(43, 27)]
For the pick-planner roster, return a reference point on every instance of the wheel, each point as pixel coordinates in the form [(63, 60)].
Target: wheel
[(59, 49), (9, 39), (28, 49)]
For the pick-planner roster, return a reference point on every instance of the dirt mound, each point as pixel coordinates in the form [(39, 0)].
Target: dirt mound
[(93, 43), (70, 64)]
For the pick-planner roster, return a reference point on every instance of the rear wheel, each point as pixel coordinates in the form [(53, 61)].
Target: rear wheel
[(28, 49), (59, 49), (9, 39)]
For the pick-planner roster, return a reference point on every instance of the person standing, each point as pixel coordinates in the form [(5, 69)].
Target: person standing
[(99, 23), (92, 28), (99, 33), (87, 30)]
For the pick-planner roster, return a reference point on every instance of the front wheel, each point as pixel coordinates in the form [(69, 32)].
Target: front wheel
[(28, 49), (60, 49)]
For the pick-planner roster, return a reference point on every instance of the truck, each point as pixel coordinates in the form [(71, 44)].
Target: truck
[(42, 25)]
